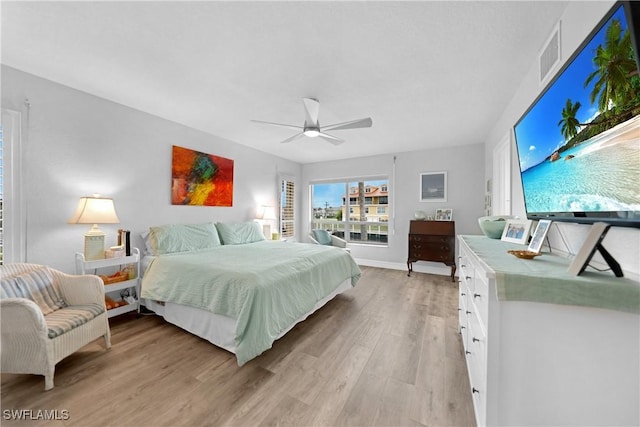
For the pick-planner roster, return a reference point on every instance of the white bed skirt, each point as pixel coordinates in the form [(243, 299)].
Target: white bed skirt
[(218, 329)]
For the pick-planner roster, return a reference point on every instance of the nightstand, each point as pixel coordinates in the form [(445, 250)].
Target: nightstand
[(116, 287)]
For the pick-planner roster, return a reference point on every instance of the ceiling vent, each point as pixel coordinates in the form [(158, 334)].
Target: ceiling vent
[(550, 55)]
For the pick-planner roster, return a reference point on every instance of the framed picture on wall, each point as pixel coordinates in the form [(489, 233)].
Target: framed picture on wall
[(433, 187), (516, 231)]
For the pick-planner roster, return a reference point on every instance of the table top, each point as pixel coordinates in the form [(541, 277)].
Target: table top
[(546, 279)]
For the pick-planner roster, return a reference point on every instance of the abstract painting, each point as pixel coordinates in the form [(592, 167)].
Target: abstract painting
[(200, 179)]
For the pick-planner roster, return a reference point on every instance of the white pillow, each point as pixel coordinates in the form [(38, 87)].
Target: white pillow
[(173, 238), (240, 232)]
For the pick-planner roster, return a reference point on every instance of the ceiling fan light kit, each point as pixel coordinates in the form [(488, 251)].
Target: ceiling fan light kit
[(312, 127)]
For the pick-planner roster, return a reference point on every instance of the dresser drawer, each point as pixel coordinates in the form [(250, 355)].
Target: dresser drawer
[(479, 299), (431, 239), (463, 316), (427, 254)]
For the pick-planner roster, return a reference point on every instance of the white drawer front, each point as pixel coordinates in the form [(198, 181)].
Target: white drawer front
[(476, 353)]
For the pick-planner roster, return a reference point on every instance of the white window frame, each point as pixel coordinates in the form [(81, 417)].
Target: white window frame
[(346, 220), (14, 222), (283, 179)]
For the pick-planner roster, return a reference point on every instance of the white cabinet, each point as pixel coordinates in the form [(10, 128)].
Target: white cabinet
[(542, 363), (117, 290), (473, 327)]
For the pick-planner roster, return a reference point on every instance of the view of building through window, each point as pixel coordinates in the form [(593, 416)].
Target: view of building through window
[(357, 210)]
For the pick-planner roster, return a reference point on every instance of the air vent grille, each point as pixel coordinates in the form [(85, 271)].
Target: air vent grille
[(550, 55)]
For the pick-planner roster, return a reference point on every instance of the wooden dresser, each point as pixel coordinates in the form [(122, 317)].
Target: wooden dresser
[(432, 241)]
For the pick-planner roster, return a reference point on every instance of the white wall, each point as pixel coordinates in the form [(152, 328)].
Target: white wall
[(76, 144), (623, 243), (466, 186)]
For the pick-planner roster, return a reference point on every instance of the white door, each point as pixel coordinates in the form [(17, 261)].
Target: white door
[(501, 194)]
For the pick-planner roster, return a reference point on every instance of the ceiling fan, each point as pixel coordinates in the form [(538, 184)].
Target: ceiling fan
[(312, 127)]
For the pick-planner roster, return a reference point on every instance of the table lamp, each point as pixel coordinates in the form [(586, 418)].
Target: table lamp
[(267, 214), (94, 210)]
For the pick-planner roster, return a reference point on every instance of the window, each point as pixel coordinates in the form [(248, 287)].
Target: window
[(1, 204), (356, 210), (287, 207), (12, 211), (12, 217)]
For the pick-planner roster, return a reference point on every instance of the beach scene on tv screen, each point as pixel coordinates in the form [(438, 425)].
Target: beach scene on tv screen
[(579, 144)]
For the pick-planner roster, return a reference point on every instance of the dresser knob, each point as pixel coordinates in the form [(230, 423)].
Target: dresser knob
[(462, 327), (467, 352), (475, 390), (468, 312), (463, 294), (476, 295), (468, 277), (474, 339)]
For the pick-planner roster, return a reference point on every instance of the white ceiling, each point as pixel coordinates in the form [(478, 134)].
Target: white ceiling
[(430, 73)]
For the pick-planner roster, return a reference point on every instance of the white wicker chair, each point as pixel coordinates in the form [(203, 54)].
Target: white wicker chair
[(25, 346)]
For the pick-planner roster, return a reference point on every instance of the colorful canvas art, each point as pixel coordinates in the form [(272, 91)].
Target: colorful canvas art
[(200, 179)]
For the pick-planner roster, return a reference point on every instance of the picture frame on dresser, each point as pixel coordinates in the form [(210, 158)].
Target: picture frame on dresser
[(539, 235), (516, 231), (444, 214), (433, 187)]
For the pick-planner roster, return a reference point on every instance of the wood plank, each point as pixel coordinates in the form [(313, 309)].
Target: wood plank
[(385, 353)]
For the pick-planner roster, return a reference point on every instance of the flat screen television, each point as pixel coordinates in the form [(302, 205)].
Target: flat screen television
[(579, 142)]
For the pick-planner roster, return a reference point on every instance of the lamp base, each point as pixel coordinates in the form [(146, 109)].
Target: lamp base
[(94, 244)]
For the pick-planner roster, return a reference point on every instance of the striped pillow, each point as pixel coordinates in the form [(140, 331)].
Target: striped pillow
[(35, 285)]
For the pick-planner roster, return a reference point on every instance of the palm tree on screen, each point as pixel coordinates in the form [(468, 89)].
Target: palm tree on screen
[(614, 67), (569, 124)]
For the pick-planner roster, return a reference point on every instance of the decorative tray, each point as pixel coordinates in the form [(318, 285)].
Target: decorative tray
[(524, 254)]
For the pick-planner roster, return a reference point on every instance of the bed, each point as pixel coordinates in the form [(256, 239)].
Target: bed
[(240, 292)]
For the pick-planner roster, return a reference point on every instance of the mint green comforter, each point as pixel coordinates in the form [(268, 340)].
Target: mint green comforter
[(265, 286)]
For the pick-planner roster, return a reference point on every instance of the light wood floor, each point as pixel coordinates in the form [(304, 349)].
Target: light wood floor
[(386, 353)]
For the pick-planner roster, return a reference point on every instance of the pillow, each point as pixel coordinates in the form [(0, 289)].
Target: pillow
[(322, 236), (35, 285), (148, 249), (240, 232), (173, 238)]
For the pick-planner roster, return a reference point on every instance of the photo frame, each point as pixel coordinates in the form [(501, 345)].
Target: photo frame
[(539, 235), (433, 187), (444, 214), (593, 243), (516, 231)]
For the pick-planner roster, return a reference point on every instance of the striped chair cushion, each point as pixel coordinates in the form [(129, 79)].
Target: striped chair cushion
[(36, 285), (65, 319)]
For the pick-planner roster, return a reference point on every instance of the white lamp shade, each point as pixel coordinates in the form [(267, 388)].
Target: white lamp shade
[(269, 213), (95, 210), (266, 212)]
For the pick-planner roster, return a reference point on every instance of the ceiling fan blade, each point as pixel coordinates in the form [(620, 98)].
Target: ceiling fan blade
[(311, 108), (293, 138), (360, 123), (332, 139), (278, 124)]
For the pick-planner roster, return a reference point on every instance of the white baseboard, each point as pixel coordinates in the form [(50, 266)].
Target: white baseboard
[(418, 267)]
